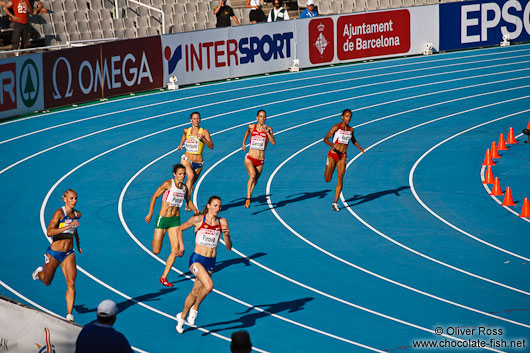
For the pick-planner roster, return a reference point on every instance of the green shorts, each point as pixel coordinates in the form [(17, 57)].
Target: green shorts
[(167, 222)]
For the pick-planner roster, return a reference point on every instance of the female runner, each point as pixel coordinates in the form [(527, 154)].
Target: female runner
[(208, 229), (260, 135), (194, 138), (342, 134), (63, 229), (175, 193)]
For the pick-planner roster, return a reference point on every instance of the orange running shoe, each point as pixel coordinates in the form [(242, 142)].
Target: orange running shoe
[(247, 203)]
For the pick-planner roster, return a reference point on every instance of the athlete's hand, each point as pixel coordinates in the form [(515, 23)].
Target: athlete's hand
[(80, 251), (180, 252), (244, 147), (73, 224), (362, 150), (148, 218), (179, 147)]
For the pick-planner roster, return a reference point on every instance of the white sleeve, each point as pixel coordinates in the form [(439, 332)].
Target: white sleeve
[(286, 15), (269, 18)]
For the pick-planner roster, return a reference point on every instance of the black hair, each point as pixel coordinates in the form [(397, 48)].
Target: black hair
[(261, 110), (346, 111), (191, 115), (177, 167), (240, 342)]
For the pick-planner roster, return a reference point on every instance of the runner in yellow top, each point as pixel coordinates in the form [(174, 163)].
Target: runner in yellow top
[(194, 138)]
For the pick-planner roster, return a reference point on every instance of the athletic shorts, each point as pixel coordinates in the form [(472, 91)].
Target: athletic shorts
[(332, 154), (194, 165), (57, 255), (256, 162), (207, 262), (167, 222), (257, 15)]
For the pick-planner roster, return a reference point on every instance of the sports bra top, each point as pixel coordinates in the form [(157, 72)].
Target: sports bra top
[(174, 196), (65, 221), (258, 139), (342, 136), (193, 144), (208, 235)]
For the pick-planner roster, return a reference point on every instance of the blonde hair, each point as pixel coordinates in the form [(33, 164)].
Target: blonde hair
[(67, 191)]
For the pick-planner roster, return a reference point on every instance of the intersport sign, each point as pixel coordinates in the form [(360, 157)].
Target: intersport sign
[(481, 23), (99, 71)]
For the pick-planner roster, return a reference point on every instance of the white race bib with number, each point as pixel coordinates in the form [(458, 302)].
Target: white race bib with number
[(192, 145), (257, 143), (208, 237), (344, 137)]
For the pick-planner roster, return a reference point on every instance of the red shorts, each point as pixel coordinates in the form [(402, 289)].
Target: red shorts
[(256, 162), (335, 156)]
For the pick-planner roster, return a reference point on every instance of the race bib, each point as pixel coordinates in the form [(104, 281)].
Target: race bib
[(208, 237), (65, 223), (344, 137), (257, 143), (192, 145), (176, 199)]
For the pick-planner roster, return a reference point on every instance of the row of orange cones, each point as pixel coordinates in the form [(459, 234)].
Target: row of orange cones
[(488, 161)]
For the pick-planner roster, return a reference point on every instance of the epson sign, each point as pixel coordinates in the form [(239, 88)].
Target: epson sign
[(481, 23)]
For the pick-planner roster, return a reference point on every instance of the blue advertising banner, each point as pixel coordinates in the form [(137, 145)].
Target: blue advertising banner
[(479, 23)]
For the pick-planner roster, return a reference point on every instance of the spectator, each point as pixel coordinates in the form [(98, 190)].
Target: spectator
[(256, 14), (278, 13), (310, 10), (39, 8), (224, 13), (21, 28), (240, 342), (100, 336)]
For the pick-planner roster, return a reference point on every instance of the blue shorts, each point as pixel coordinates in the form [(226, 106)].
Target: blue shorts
[(207, 262), (194, 165), (58, 255)]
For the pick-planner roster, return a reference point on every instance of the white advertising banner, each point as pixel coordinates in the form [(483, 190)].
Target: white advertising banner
[(362, 36), (26, 330), (228, 52), (21, 86)]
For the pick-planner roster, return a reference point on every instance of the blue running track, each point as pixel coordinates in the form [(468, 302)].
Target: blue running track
[(418, 244)]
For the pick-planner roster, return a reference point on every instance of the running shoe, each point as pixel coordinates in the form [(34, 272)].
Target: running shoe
[(70, 318), (192, 316), (180, 323), (247, 203), (36, 272), (335, 207), (165, 282)]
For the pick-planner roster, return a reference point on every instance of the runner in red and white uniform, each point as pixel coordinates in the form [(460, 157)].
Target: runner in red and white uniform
[(260, 134), (208, 230), (175, 193), (342, 134)]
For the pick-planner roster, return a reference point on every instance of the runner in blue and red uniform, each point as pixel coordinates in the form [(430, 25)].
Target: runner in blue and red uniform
[(342, 134), (208, 229), (63, 229)]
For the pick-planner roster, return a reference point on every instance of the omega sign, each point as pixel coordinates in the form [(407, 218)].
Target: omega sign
[(88, 73)]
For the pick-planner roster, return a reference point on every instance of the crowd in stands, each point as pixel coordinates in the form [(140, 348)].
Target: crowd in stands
[(91, 20)]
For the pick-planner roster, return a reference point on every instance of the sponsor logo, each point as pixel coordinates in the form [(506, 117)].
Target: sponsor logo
[(373, 34), (29, 83), (226, 53), (48, 347), (478, 19), (8, 89), (321, 40)]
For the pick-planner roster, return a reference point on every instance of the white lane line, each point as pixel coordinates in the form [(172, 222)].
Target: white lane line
[(40, 307), (406, 247), (288, 112), (287, 90), (133, 237), (331, 68), (443, 220)]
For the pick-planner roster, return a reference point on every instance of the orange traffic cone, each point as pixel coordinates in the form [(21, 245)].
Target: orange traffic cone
[(487, 158), (508, 199), (494, 153), (502, 143), (528, 126), (525, 212), (489, 176), (511, 137), (496, 191)]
